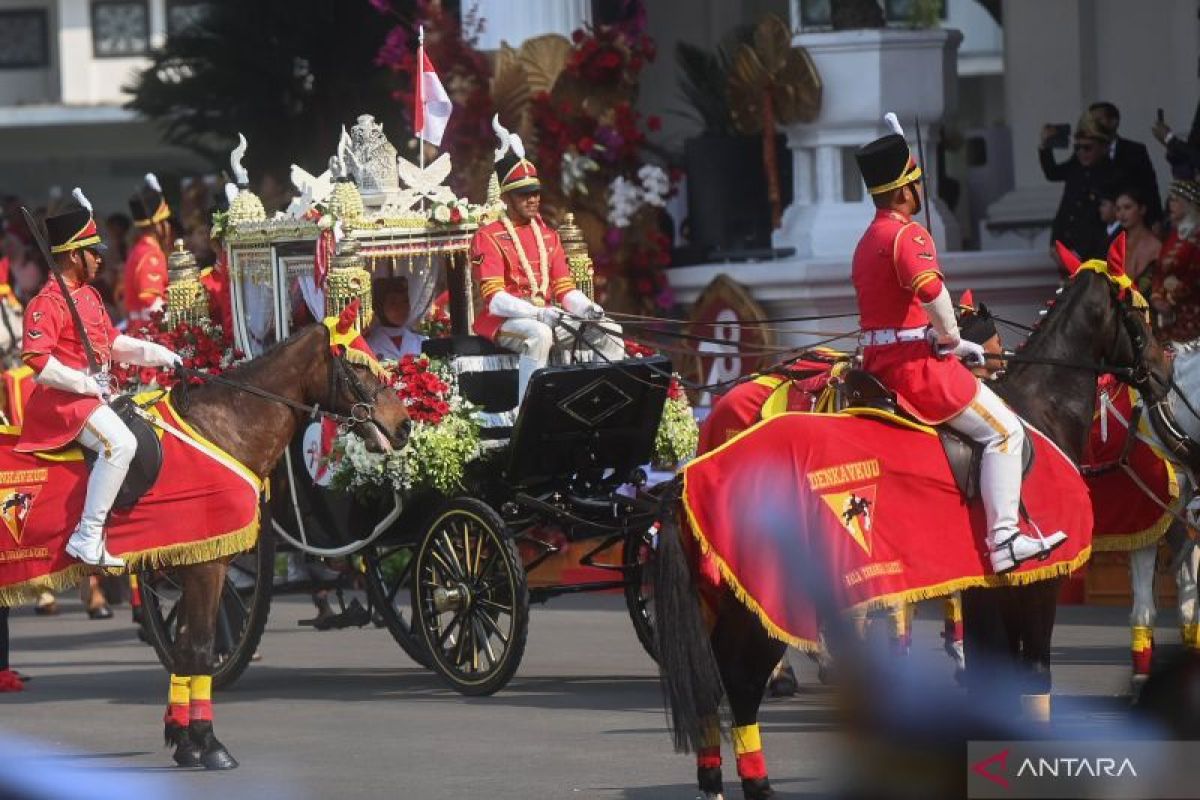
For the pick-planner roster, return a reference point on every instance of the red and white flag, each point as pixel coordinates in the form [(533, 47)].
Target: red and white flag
[(432, 103)]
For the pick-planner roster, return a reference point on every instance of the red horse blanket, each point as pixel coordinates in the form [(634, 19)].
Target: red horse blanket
[(204, 506), (860, 509), (1127, 516)]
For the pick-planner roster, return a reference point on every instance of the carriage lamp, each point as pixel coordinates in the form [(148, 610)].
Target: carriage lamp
[(579, 262), (347, 281), (187, 302)]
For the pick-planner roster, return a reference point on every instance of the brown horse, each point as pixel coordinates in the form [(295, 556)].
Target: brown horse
[(1091, 328), (253, 422)]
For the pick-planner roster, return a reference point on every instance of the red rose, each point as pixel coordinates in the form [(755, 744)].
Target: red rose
[(455, 215), (586, 144), (653, 122)]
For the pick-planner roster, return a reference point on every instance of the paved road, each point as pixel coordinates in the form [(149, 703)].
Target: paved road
[(345, 714)]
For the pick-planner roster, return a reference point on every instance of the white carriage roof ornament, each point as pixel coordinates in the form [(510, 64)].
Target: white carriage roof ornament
[(245, 207)]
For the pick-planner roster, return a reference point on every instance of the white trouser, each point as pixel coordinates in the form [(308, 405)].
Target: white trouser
[(992, 424), (533, 341), (114, 443)]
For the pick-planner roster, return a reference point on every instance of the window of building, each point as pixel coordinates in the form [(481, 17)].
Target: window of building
[(183, 14), (24, 39), (120, 28), (817, 14)]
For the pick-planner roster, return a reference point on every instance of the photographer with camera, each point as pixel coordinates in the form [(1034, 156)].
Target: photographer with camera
[(1077, 224)]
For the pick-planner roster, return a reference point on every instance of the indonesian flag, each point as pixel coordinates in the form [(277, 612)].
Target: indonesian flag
[(432, 104)]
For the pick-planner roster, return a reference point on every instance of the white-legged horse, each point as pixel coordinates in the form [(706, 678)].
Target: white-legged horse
[(1187, 562)]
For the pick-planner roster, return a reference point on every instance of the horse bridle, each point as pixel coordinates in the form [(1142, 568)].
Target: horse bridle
[(362, 410)]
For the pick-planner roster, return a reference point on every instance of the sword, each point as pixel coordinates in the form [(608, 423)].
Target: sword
[(924, 168), (35, 230)]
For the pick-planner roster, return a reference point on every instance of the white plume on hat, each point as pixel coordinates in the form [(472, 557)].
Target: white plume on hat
[(81, 198), (518, 146), (152, 182), (503, 135), (893, 122)]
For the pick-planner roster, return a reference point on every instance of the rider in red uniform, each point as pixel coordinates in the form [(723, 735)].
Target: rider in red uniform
[(909, 330), (146, 266), (68, 403)]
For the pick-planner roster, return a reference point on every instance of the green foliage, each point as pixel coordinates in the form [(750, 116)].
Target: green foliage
[(704, 79), (287, 73), (925, 13)]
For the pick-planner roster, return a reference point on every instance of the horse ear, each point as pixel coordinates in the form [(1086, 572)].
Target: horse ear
[(967, 300), (1116, 256), (348, 316), (1070, 261)]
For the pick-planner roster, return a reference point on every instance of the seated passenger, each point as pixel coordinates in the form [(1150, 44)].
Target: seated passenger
[(389, 335)]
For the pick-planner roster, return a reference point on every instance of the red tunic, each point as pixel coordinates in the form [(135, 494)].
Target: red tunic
[(753, 401), (497, 267), (215, 281), (145, 276), (894, 260), (53, 418), (1177, 281)]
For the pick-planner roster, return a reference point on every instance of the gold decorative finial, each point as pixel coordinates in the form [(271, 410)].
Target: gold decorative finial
[(186, 299), (579, 261), (348, 279)]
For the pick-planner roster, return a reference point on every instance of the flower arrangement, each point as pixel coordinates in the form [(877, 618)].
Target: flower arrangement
[(445, 436), (204, 346), (455, 212), (436, 322), (678, 434)]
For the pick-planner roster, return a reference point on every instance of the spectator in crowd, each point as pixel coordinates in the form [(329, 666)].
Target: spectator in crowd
[(1182, 154), (1108, 211), (1175, 288), (1130, 160), (1141, 245), (1077, 223)]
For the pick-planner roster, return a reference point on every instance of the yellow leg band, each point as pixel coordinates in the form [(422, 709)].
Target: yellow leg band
[(1143, 637), (953, 608), (180, 692), (133, 582), (746, 739), (202, 687), (1191, 636)]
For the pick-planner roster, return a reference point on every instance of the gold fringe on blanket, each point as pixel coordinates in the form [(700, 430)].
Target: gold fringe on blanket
[(884, 601), (176, 555)]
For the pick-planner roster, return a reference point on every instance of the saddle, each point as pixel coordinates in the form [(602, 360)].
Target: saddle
[(860, 389), (147, 462)]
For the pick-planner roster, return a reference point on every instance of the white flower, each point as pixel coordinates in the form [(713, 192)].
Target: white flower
[(575, 168), (441, 213), (325, 222), (624, 199), (655, 184)]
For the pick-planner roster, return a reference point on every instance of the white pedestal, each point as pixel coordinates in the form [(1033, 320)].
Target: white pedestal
[(866, 74)]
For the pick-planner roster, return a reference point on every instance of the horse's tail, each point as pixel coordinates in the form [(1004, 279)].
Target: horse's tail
[(691, 680)]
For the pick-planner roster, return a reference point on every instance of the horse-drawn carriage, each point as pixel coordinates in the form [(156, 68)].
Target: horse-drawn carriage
[(445, 570)]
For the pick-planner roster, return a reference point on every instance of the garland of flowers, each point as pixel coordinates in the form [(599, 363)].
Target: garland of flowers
[(540, 290), (203, 346), (444, 436)]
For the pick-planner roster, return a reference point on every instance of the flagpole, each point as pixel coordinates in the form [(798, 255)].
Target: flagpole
[(420, 93)]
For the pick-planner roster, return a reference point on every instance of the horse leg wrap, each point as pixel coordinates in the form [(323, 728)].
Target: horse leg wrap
[(201, 699), (1142, 648), (1191, 636), (747, 745), (178, 698), (708, 759)]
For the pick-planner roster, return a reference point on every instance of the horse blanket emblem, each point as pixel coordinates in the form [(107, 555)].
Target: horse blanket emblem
[(853, 507), (18, 490), (863, 508)]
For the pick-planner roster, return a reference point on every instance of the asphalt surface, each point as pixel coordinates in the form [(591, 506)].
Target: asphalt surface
[(345, 714)]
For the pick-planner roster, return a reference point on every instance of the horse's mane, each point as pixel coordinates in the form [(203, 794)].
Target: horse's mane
[(247, 371), (1051, 320)]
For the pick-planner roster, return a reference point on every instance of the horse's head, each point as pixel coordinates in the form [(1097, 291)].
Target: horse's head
[(1118, 318), (358, 389)]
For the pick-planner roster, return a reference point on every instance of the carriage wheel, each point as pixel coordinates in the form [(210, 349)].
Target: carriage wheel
[(241, 617), (470, 597), (637, 556), (389, 583)]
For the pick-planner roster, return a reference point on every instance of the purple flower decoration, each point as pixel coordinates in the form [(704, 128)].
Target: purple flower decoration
[(612, 238)]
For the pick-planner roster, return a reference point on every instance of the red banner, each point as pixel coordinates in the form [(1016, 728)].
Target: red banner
[(862, 512), (1127, 516), (204, 506)]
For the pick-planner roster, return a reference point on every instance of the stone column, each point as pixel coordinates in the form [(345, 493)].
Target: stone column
[(505, 21), (866, 73)]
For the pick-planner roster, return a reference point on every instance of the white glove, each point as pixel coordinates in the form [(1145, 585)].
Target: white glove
[(506, 305), (972, 354), (580, 306), (58, 375), (941, 317), (549, 315), (129, 350)]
